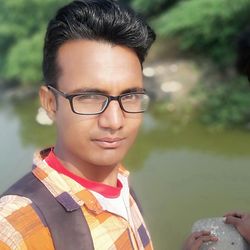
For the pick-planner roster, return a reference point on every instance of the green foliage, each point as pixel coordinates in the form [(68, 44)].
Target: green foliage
[(152, 8), (24, 60), (206, 26), (210, 28), (22, 28), (227, 104)]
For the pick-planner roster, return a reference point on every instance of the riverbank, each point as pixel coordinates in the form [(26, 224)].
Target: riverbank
[(17, 93)]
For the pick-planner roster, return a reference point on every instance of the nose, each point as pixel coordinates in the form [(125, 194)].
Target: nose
[(113, 117)]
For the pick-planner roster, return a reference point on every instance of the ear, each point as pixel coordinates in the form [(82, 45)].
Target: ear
[(48, 101)]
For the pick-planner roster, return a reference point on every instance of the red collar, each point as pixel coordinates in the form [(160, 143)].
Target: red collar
[(103, 189)]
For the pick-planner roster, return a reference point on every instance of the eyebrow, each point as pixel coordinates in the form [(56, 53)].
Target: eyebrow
[(131, 90), (89, 90), (100, 91)]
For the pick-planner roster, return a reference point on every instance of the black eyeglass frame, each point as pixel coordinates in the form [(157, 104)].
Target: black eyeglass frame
[(118, 98)]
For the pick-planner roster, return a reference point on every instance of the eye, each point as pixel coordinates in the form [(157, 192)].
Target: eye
[(131, 97), (86, 98)]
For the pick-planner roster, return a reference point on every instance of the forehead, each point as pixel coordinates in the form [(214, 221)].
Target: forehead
[(92, 64)]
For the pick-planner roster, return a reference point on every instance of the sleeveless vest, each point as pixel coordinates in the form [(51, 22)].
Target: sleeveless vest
[(69, 229)]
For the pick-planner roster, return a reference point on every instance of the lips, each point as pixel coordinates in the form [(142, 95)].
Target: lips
[(109, 142)]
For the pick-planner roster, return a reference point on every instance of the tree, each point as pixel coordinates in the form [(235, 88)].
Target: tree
[(209, 27), (151, 8), (22, 28)]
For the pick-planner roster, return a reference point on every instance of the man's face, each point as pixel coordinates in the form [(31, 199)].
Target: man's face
[(103, 139)]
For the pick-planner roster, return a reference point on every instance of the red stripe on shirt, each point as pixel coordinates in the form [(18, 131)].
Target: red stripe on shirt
[(103, 189)]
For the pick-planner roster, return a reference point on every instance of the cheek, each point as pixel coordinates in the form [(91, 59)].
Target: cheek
[(72, 125), (134, 125)]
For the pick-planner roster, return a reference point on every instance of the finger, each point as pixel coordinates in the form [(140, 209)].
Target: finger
[(204, 239), (196, 235), (232, 220), (235, 214)]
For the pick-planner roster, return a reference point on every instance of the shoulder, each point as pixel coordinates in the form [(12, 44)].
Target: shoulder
[(19, 222), (12, 203), (13, 206), (11, 209)]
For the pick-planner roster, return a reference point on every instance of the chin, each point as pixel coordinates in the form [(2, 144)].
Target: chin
[(109, 159)]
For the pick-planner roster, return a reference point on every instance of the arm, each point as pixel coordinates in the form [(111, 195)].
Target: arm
[(241, 221), (196, 239)]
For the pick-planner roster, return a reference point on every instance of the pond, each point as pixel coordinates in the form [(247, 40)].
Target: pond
[(181, 172)]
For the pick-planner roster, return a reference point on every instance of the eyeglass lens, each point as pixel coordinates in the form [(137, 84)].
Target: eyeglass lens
[(96, 103)]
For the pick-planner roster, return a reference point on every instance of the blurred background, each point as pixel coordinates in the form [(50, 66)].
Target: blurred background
[(192, 157)]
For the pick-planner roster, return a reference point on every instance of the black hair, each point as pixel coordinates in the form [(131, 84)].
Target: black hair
[(100, 20), (243, 53)]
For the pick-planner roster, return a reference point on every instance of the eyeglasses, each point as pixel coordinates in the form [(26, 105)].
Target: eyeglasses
[(91, 103)]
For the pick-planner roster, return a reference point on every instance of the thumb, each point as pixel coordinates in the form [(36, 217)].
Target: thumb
[(232, 220)]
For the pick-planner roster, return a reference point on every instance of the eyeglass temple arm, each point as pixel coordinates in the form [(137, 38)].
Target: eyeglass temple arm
[(56, 91)]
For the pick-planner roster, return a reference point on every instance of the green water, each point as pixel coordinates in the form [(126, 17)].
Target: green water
[(181, 171)]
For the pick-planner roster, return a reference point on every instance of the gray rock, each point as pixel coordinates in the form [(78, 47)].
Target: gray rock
[(229, 237)]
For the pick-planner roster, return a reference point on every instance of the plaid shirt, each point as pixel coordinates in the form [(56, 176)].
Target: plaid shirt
[(22, 228)]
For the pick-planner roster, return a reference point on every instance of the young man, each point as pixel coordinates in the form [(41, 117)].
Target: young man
[(92, 65)]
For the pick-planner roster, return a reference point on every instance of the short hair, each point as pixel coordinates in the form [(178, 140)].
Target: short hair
[(97, 20)]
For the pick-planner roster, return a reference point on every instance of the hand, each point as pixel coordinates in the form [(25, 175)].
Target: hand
[(241, 221), (196, 239)]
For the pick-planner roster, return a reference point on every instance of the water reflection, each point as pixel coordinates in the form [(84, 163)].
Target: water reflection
[(32, 133), (160, 133)]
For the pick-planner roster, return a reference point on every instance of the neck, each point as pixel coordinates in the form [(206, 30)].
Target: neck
[(103, 174)]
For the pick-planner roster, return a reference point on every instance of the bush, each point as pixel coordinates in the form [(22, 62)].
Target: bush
[(226, 104), (151, 8), (22, 28), (208, 27), (24, 60)]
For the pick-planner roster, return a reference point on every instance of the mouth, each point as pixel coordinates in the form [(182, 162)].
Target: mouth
[(108, 142)]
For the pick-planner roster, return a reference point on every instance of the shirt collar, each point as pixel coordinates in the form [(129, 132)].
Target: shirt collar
[(70, 194), (103, 189)]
